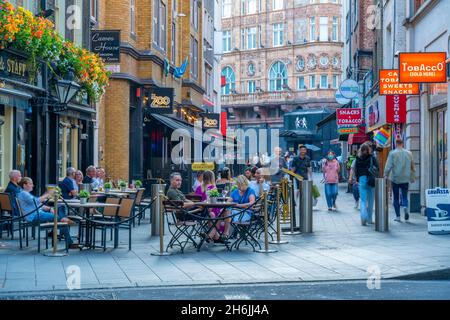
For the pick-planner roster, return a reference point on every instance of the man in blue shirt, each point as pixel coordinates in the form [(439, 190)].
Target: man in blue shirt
[(13, 188), (67, 186)]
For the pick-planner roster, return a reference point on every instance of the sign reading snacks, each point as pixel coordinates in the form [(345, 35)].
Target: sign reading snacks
[(426, 67), (202, 166), (396, 109), (438, 210), (106, 43), (349, 116), (348, 130), (159, 100), (389, 84), (210, 120)]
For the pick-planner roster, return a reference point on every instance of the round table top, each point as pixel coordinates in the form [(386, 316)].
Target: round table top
[(93, 205), (216, 205)]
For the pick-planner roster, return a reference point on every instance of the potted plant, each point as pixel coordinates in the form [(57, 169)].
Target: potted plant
[(84, 196), (122, 185), (108, 186), (138, 184), (213, 195)]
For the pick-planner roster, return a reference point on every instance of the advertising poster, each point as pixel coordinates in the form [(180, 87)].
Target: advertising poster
[(438, 210)]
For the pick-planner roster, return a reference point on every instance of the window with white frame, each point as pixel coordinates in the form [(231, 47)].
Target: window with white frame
[(159, 24), (227, 6), (252, 6), (335, 81), (278, 77), (312, 81), (251, 38), (230, 81), (301, 83), (323, 81), (335, 29), (174, 42), (194, 57), (94, 9), (277, 4), (323, 29), (133, 16), (312, 29), (226, 36), (251, 86), (278, 34), (60, 17)]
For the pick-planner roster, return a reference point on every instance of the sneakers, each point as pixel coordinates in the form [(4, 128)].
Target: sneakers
[(406, 214), (356, 204), (398, 219), (363, 222)]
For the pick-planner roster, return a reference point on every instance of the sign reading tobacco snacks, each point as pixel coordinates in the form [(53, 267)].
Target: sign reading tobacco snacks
[(389, 84), (425, 67), (349, 116), (159, 100), (210, 120), (13, 67), (106, 43)]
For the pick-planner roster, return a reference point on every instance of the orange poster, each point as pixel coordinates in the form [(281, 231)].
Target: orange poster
[(389, 84), (416, 67)]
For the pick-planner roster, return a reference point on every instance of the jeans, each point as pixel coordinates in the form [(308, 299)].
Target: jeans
[(331, 193), (49, 217), (355, 188), (366, 193), (396, 188)]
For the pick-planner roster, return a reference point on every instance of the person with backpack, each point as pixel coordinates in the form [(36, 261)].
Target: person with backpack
[(331, 170), (400, 171), (366, 170), (351, 158)]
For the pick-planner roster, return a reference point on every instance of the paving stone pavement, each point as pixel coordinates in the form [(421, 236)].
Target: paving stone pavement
[(338, 249)]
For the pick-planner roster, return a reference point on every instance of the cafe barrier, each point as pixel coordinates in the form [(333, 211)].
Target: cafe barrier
[(291, 211), (266, 225), (161, 226), (381, 205), (277, 213), (54, 252)]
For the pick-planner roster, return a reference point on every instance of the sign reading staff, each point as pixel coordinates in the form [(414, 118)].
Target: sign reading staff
[(425, 67), (159, 100), (389, 84)]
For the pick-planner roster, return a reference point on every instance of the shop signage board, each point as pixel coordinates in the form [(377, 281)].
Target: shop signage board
[(210, 120), (396, 109), (376, 113), (349, 89), (438, 210), (389, 84), (348, 130), (106, 43), (349, 116), (13, 67), (422, 67), (159, 100), (202, 166)]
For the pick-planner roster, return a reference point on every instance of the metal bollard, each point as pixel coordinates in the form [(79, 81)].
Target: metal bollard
[(306, 205), (156, 208), (277, 212), (291, 211), (266, 235), (161, 227), (381, 205)]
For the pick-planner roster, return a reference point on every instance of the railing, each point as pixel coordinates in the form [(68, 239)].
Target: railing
[(261, 97)]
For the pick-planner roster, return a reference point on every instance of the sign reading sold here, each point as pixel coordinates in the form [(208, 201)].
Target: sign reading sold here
[(426, 67)]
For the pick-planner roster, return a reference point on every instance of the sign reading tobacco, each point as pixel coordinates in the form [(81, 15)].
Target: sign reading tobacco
[(349, 116), (389, 84), (159, 100), (426, 67), (106, 43), (210, 120)]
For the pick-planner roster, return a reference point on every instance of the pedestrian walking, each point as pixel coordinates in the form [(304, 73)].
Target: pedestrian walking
[(366, 169), (351, 158), (400, 171), (331, 170), (354, 184)]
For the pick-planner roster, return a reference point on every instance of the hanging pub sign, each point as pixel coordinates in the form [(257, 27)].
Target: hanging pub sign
[(210, 120), (422, 67), (389, 84), (349, 116), (159, 100), (396, 109), (13, 67), (437, 210), (106, 43)]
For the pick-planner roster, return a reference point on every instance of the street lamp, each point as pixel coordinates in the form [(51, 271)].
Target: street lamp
[(66, 90)]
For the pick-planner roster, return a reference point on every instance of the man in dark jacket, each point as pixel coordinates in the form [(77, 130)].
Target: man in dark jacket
[(67, 186), (13, 188)]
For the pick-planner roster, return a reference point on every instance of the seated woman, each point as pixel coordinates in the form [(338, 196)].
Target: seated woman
[(225, 181), (29, 203), (78, 180), (207, 185), (243, 196)]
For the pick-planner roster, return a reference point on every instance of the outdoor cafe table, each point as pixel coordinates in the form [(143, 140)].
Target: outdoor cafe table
[(90, 205), (208, 205)]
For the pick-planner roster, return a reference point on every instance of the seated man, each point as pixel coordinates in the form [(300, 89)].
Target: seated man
[(69, 185), (29, 203), (259, 185), (13, 188), (174, 192)]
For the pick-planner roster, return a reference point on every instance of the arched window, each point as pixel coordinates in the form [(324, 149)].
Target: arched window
[(230, 80), (277, 76)]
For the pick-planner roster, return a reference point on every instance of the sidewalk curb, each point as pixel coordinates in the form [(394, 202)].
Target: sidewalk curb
[(440, 274)]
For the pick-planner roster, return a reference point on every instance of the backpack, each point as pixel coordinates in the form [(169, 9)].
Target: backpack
[(374, 171)]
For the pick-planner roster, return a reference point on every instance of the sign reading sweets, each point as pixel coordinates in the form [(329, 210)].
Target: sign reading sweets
[(396, 109), (210, 120), (349, 116), (427, 67), (437, 210), (389, 84), (159, 100), (106, 43), (348, 130)]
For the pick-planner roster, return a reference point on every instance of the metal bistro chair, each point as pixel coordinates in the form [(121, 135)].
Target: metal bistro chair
[(181, 226), (271, 212), (108, 214), (6, 214)]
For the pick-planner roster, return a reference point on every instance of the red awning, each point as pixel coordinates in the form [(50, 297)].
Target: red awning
[(357, 138)]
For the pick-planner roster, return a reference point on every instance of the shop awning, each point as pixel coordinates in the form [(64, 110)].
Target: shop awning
[(357, 138), (14, 98)]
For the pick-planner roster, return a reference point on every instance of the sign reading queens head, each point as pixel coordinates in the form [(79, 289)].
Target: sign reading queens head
[(159, 100), (425, 67)]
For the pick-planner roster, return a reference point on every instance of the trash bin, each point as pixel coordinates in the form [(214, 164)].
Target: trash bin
[(306, 206), (156, 208), (381, 205)]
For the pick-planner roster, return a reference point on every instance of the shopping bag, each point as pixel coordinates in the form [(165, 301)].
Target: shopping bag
[(315, 191)]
